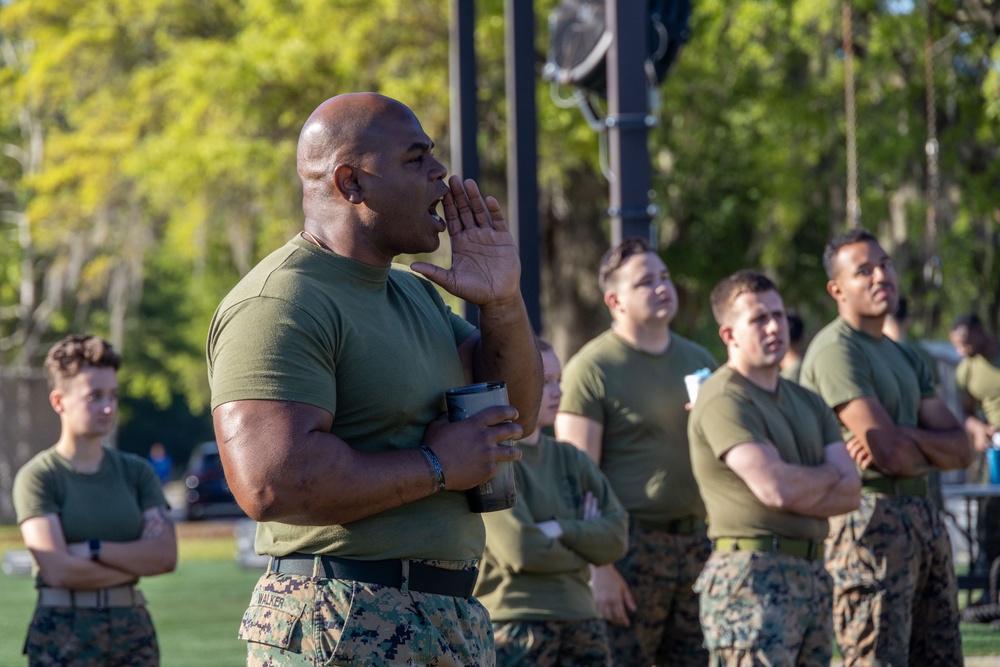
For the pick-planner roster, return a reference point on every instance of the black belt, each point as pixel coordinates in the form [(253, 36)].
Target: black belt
[(896, 486), (422, 577)]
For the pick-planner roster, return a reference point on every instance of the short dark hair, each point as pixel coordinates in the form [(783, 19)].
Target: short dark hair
[(741, 282), (75, 352), (616, 256), (970, 321), (850, 237), (796, 326)]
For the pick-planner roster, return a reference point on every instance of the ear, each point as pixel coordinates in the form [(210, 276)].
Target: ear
[(55, 400), (833, 289), (726, 334), (611, 300), (345, 180)]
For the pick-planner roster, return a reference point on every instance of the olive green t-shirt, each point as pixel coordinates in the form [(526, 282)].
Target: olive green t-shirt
[(376, 347), (528, 576), (731, 411), (105, 505), (979, 378), (843, 364), (639, 400)]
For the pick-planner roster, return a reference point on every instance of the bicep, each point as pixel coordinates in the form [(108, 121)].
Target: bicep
[(582, 432), (753, 462), (43, 534), (864, 416)]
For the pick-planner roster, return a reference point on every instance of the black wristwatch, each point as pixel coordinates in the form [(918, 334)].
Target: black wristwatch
[(95, 549)]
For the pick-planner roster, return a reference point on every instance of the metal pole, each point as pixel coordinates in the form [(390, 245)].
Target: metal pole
[(628, 121), (522, 149), (462, 75)]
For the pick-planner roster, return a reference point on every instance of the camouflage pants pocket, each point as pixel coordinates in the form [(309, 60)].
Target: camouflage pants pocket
[(274, 617), (730, 614)]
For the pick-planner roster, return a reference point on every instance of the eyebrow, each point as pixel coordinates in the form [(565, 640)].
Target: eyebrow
[(420, 147)]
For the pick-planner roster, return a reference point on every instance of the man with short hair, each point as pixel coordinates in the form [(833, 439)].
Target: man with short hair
[(624, 403), (895, 596), (772, 467), (328, 370)]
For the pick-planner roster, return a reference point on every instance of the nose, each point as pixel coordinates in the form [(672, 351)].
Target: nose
[(437, 171)]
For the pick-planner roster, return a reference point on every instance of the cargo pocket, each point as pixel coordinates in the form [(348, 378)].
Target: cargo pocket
[(730, 613), (274, 619)]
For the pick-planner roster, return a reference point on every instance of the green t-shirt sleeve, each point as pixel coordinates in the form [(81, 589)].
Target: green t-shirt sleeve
[(33, 493), (727, 421), (287, 360), (148, 489), (831, 425), (923, 371), (840, 376), (583, 391)]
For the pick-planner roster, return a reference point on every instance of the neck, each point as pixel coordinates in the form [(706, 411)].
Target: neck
[(765, 377), (83, 452), (346, 241), (650, 338), (871, 325)]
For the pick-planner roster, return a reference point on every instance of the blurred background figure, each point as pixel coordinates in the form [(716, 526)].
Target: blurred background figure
[(535, 572), (791, 364), (94, 520), (161, 461)]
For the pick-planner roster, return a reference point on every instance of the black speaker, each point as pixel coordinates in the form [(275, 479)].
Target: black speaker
[(579, 41)]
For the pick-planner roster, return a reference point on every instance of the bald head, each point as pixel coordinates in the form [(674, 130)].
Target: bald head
[(344, 129)]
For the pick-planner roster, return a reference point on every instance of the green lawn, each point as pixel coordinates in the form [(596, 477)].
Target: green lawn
[(197, 609)]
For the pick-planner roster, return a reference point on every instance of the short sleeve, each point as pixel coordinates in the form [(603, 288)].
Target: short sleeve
[(840, 376), (149, 490), (34, 493), (583, 390), (726, 421)]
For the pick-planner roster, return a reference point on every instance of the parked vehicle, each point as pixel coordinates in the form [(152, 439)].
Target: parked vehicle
[(208, 494)]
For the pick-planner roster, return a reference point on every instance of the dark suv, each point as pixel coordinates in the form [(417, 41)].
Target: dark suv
[(208, 494)]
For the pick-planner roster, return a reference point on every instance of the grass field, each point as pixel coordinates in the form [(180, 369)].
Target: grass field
[(197, 609)]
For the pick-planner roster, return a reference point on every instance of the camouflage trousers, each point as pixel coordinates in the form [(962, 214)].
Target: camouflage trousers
[(660, 569), (766, 609), (78, 637), (895, 599), (552, 644), (301, 620)]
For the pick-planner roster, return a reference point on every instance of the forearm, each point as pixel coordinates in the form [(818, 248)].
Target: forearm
[(508, 352), (844, 497), (897, 454), (340, 485), (944, 449), (141, 558), (598, 541), (800, 487), (64, 570)]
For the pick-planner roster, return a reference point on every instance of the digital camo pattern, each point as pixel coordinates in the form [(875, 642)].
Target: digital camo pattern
[(766, 609), (552, 644), (895, 597), (660, 569), (113, 637), (297, 620)]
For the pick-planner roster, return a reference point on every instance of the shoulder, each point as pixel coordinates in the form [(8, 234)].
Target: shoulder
[(38, 465), (691, 349)]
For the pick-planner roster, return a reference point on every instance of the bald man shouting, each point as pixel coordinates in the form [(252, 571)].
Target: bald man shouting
[(328, 368)]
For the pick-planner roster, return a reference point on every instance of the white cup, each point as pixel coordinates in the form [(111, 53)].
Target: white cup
[(693, 382)]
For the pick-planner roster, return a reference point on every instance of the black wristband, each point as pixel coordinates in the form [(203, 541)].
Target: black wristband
[(95, 549), (435, 466)]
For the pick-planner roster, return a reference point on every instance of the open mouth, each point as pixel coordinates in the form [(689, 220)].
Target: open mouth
[(435, 214)]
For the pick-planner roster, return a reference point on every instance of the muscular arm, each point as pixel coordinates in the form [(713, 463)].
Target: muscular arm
[(582, 432), (939, 436), (880, 443), (787, 486), (282, 464), (845, 496), (44, 538)]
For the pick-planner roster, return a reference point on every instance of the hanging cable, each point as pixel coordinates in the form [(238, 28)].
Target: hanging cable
[(853, 204)]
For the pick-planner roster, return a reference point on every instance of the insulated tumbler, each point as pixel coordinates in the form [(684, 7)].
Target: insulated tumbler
[(463, 402)]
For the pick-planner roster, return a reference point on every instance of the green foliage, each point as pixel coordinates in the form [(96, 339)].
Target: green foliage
[(168, 130)]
